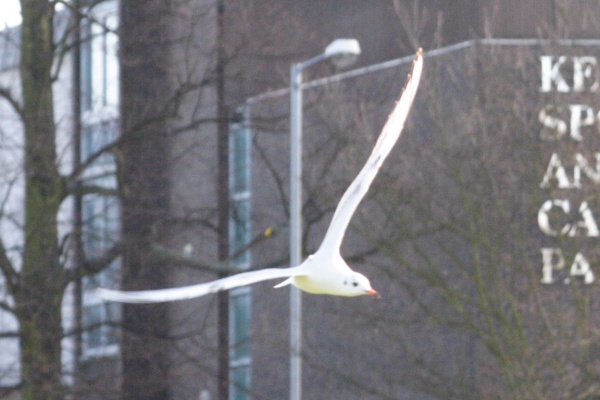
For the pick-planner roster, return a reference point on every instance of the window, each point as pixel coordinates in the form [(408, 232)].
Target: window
[(240, 235), (100, 332), (99, 59), (239, 336), (240, 232), (100, 318), (101, 229), (240, 324), (240, 155), (96, 137), (101, 209), (239, 226), (100, 224)]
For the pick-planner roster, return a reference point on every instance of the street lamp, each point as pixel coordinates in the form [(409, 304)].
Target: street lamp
[(342, 52)]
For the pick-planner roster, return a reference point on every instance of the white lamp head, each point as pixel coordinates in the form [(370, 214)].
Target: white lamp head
[(343, 52)]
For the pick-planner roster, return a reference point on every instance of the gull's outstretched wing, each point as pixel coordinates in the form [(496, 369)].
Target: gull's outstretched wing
[(388, 137), (189, 292)]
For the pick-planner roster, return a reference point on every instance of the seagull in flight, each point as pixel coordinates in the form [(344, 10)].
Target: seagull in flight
[(324, 272)]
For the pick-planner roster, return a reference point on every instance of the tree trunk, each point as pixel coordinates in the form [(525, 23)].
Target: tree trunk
[(144, 189), (39, 294)]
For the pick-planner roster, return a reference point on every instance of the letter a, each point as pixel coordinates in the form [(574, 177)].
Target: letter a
[(556, 170), (581, 267)]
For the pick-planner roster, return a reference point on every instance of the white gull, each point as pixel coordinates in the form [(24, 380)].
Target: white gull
[(324, 272)]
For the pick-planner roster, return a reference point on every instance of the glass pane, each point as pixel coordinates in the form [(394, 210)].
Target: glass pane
[(86, 66), (240, 383), (100, 224), (104, 69), (113, 316), (100, 324), (240, 326), (110, 214), (112, 62), (92, 317), (240, 230), (91, 242), (95, 137), (240, 161)]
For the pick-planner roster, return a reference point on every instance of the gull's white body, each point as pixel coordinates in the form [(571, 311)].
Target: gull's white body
[(325, 272)]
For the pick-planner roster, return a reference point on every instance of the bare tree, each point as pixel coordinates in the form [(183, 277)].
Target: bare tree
[(39, 267), (465, 314), (37, 270), (453, 230)]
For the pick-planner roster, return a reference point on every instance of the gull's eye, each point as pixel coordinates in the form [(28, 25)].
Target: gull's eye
[(355, 284)]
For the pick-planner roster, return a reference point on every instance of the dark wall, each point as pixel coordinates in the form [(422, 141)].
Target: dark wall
[(264, 37)]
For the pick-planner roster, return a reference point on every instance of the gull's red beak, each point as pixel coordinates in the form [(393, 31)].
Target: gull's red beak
[(373, 293)]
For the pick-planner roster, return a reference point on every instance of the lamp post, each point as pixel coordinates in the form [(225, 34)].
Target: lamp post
[(343, 52)]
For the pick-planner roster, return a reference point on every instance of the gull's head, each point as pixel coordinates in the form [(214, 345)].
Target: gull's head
[(357, 285)]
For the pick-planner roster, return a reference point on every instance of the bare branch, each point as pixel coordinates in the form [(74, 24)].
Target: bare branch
[(216, 267), (96, 265), (8, 271), (7, 95), (82, 190)]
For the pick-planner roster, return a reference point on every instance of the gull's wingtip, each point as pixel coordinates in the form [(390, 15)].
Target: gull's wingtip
[(418, 58)]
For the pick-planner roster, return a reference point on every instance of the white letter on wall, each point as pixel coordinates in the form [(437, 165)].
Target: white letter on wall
[(581, 267), (548, 265), (581, 164), (578, 120), (557, 126), (556, 170), (585, 69), (588, 222), (551, 74)]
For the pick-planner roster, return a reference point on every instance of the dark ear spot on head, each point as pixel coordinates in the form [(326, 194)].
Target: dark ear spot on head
[(345, 282)]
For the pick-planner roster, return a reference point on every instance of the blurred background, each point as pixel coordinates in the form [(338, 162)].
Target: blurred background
[(146, 144)]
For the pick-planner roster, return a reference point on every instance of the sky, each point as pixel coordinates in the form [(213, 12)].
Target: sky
[(10, 13)]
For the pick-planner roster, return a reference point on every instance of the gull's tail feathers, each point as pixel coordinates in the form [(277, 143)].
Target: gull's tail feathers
[(288, 281)]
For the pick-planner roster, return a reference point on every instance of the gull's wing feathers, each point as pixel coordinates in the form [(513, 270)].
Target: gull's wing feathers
[(189, 292), (388, 137)]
